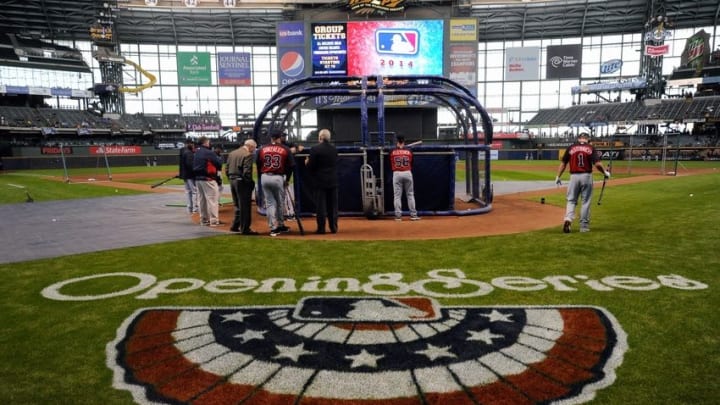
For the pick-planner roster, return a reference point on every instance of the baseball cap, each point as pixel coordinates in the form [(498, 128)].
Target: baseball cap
[(276, 134), (583, 135)]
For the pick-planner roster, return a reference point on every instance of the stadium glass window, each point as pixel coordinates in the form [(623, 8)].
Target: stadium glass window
[(245, 107), (227, 112), (228, 92)]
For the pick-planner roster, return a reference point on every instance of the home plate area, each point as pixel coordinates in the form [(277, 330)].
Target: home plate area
[(367, 350)]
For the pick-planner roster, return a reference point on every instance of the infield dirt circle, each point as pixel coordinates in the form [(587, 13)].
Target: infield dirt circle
[(511, 213)]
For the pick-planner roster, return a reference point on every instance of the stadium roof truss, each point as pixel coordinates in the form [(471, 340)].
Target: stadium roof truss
[(252, 22)]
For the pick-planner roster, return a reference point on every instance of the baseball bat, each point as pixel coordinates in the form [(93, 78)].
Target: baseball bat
[(609, 169), (414, 144), (164, 181), (295, 209), (602, 190)]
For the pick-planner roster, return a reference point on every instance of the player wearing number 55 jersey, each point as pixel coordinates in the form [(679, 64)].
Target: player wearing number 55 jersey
[(581, 157), (401, 160), (275, 168)]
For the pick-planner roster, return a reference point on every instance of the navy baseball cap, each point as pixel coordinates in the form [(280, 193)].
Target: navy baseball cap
[(276, 134)]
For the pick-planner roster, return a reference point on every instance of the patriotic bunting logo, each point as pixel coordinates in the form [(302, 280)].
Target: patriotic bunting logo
[(367, 350)]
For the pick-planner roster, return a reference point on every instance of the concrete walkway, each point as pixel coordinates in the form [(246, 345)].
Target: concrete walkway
[(59, 228)]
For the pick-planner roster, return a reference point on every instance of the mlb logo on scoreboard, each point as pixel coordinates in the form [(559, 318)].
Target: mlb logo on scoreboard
[(397, 41)]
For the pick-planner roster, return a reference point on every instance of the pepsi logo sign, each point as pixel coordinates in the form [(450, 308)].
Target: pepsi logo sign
[(292, 64), (611, 66)]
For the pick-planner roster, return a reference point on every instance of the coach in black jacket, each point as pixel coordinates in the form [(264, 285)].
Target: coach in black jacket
[(322, 166)]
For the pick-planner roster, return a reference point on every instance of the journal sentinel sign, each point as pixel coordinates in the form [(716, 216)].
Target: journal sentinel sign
[(234, 69)]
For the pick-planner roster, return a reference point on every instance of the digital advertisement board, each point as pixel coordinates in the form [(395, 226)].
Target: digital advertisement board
[(329, 49), (369, 48), (395, 47), (377, 48)]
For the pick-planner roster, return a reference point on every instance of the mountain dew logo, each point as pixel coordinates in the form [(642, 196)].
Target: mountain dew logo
[(696, 49), (367, 350)]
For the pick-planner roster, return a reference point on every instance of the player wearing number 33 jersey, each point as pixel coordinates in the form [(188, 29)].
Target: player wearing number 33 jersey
[(275, 165), (401, 160), (581, 157)]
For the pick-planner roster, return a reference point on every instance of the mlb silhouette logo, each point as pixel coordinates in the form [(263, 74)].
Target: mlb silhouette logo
[(396, 41), (367, 309)]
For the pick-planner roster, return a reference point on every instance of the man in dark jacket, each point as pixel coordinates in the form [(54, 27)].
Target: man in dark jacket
[(187, 154), (239, 169), (207, 166), (322, 167)]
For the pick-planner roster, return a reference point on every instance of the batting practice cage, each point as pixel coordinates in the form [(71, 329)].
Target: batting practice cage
[(364, 174)]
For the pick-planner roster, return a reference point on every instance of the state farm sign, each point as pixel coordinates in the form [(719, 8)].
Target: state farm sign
[(115, 150)]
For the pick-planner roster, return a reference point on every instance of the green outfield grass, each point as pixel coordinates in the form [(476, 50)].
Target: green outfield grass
[(54, 351), (529, 170), (16, 186), (48, 184)]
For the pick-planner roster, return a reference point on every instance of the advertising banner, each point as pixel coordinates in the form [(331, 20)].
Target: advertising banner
[(41, 91), (611, 66), (63, 92), (81, 93), (463, 30), (56, 150), (395, 47), (329, 49), (628, 84), (115, 150), (522, 63), (291, 54), (657, 50), (463, 65), (234, 69), (697, 51), (564, 61), (291, 33), (194, 69), (291, 65), (17, 89)]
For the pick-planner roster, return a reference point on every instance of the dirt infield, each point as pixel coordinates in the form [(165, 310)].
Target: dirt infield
[(511, 213)]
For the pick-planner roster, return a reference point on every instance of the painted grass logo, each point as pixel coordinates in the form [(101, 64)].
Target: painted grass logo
[(370, 350), (440, 283)]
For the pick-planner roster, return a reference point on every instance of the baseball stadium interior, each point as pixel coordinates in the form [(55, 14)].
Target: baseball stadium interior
[(75, 75)]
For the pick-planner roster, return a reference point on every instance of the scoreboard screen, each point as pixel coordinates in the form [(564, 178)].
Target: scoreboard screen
[(369, 48), (101, 33)]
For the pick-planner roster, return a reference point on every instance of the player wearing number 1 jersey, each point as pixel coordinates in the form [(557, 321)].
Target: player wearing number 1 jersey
[(275, 166), (581, 157), (401, 160)]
